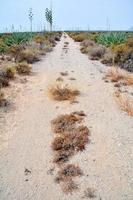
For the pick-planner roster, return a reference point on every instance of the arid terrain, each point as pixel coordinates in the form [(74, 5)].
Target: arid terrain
[(27, 170)]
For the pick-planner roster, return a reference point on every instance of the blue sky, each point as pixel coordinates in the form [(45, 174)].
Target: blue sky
[(68, 14)]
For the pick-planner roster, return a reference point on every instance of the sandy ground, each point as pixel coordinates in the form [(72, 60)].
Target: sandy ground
[(26, 134)]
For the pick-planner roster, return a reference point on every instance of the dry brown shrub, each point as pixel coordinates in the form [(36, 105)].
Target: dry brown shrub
[(69, 187), (23, 68), (29, 55), (97, 52), (68, 172), (59, 79), (69, 143), (64, 73), (9, 72), (4, 82), (114, 74), (62, 156), (125, 103), (90, 193), (66, 43), (63, 93), (3, 101), (65, 123), (129, 79)]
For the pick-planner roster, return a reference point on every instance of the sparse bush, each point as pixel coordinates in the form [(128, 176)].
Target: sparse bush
[(79, 37), (64, 123), (64, 93), (108, 58), (15, 50), (29, 55), (125, 103), (114, 74), (87, 43), (68, 172), (3, 101), (4, 82), (97, 52), (124, 56), (23, 68), (9, 72), (74, 140)]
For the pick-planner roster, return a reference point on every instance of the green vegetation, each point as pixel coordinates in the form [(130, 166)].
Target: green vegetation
[(111, 38), (18, 50), (111, 48)]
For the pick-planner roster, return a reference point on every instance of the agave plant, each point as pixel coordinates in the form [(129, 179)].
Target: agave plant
[(17, 39), (111, 38)]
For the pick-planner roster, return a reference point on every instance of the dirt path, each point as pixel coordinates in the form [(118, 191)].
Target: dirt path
[(26, 168)]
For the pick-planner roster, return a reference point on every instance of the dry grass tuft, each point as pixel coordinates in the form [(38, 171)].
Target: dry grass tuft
[(4, 82), (9, 72), (125, 103), (72, 79), (69, 187), (29, 55), (90, 193), (70, 139), (64, 93), (97, 52), (64, 73), (73, 141), (117, 74), (114, 74), (68, 172), (65, 123), (3, 101), (23, 68), (59, 79), (62, 156), (129, 79)]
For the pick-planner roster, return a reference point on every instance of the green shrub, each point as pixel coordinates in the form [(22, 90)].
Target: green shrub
[(17, 38), (111, 38)]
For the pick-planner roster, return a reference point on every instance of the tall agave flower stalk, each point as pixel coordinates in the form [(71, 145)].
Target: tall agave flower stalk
[(31, 18), (49, 17)]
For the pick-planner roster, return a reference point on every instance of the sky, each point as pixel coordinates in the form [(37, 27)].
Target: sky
[(67, 14)]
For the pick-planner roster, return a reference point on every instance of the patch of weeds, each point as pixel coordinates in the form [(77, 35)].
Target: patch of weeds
[(23, 68), (59, 79), (72, 79), (69, 187), (62, 156), (68, 172), (2, 98), (66, 43), (90, 193), (27, 172), (64, 123), (4, 82), (124, 102), (64, 93), (64, 73), (9, 72)]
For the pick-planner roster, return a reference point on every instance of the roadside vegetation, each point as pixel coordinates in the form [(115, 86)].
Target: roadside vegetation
[(19, 50), (111, 48)]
